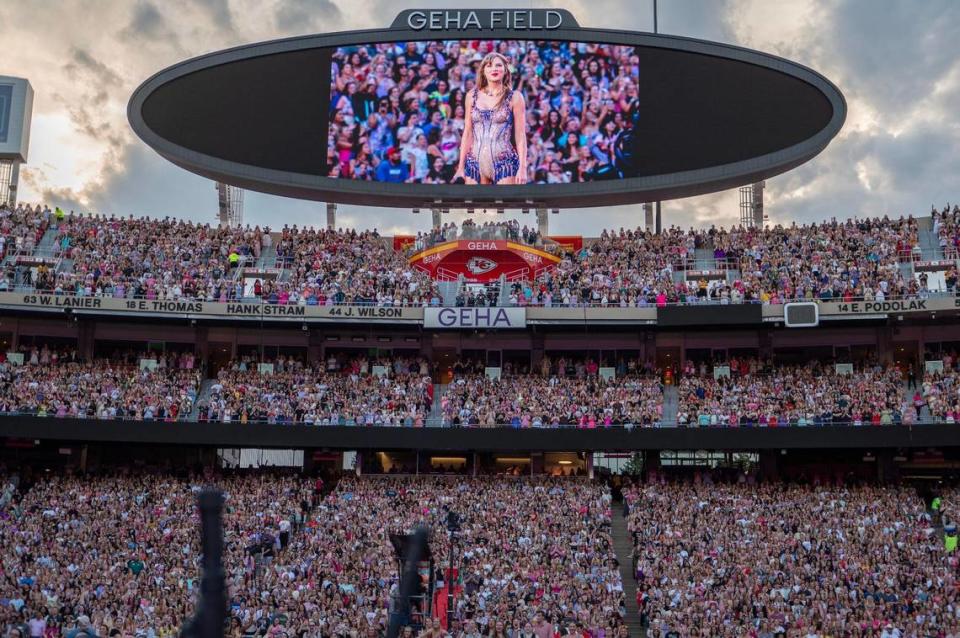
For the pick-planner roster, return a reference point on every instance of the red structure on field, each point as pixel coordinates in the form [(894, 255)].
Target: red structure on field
[(483, 260)]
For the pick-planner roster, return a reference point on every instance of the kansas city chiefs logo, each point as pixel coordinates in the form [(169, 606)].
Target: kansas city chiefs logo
[(480, 265)]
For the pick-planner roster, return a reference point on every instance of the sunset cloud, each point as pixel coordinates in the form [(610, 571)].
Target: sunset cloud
[(893, 59)]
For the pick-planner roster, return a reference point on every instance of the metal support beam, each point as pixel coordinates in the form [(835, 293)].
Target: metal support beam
[(659, 219), (759, 216), (543, 222), (435, 215), (751, 205), (648, 216), (331, 216), (9, 177), (230, 200)]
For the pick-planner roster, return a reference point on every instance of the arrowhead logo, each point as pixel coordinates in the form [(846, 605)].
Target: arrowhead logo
[(480, 265)]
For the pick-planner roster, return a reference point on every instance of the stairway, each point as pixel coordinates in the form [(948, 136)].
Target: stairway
[(924, 416), (671, 404), (202, 397), (930, 245), (503, 296), (906, 270), (703, 259), (65, 265), (448, 292), (268, 258), (48, 243), (623, 546), (435, 418)]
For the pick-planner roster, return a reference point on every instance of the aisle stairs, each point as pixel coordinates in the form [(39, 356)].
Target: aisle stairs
[(623, 546), (670, 404)]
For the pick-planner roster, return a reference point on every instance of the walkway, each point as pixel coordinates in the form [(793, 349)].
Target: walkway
[(623, 545), (671, 404)]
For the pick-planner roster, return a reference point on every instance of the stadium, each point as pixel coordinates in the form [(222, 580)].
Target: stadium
[(474, 424)]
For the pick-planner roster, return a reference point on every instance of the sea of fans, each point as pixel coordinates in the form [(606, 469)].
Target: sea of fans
[(21, 228), (119, 554), (940, 394), (757, 394), (830, 261), (852, 259), (567, 392), (346, 267), (57, 383), (788, 560), (409, 99), (470, 229), (152, 258), (619, 269), (560, 391), (946, 224), (172, 259), (357, 391)]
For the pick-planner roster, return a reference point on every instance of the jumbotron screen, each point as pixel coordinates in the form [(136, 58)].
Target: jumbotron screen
[(483, 112)]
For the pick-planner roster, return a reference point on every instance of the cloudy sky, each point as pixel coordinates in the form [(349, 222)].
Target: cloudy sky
[(893, 59)]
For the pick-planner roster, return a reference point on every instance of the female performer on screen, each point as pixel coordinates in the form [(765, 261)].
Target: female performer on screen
[(493, 149)]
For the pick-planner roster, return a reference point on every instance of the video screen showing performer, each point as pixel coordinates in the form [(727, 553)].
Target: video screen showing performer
[(483, 112)]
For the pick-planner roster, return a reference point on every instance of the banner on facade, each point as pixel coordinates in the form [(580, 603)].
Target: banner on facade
[(475, 318)]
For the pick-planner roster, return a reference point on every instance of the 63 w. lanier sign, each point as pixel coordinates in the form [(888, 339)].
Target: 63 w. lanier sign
[(485, 20)]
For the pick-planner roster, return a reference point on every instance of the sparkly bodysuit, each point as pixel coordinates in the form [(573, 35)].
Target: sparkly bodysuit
[(492, 155)]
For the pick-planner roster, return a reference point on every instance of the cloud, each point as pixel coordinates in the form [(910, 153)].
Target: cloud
[(146, 21), (148, 24), (219, 13), (899, 151), (83, 66), (304, 16), (119, 188)]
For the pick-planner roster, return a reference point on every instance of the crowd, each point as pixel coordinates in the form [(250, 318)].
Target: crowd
[(354, 392), (470, 229), (559, 391), (829, 261), (946, 224), (175, 260), (629, 268), (940, 394), (565, 393), (152, 258), (533, 554), (849, 260), (763, 561), (398, 110), (756, 394), (61, 384), (119, 555), (348, 267), (170, 259), (21, 228)]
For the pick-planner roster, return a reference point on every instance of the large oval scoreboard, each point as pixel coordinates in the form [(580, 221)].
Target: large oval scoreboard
[(487, 107)]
